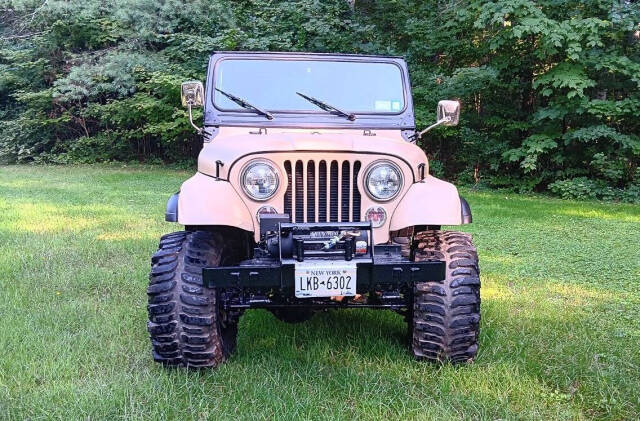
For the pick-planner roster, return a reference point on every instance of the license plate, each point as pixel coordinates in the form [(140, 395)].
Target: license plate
[(326, 279)]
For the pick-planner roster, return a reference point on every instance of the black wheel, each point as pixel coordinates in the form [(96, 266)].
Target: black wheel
[(446, 314), (186, 323), (292, 315)]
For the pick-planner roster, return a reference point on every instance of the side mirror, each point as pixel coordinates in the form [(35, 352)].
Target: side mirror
[(448, 114), (449, 111), (192, 94)]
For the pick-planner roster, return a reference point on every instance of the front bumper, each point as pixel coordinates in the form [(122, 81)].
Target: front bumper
[(383, 273), (381, 268)]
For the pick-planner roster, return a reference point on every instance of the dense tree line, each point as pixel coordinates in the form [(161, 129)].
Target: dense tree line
[(550, 89)]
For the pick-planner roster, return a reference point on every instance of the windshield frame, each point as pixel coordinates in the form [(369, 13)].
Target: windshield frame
[(218, 116), (318, 111)]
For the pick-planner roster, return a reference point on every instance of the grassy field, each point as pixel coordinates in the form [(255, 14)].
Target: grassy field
[(560, 329)]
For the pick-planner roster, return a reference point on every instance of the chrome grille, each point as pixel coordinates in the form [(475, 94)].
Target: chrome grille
[(326, 191)]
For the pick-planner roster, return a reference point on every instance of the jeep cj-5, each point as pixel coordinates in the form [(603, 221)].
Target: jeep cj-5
[(311, 194)]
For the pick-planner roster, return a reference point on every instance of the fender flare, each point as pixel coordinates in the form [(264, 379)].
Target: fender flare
[(171, 214), (431, 202), (466, 216), (205, 200)]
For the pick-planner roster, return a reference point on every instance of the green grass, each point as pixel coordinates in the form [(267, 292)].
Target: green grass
[(560, 329)]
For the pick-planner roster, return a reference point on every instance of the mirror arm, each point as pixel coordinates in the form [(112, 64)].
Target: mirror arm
[(198, 129), (433, 126)]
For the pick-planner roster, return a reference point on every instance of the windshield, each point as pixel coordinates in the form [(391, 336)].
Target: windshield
[(271, 84)]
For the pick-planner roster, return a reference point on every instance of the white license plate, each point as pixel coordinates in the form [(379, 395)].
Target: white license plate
[(325, 279)]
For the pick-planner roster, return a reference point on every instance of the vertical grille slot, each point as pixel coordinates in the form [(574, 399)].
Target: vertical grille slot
[(333, 192), (311, 191), (287, 194), (324, 191), (356, 193), (299, 192), (345, 196)]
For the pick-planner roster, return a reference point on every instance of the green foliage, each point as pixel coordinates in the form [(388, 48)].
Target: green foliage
[(91, 81), (570, 77), (585, 188), (550, 89)]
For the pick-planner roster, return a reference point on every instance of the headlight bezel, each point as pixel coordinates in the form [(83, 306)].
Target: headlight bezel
[(251, 164), (369, 171)]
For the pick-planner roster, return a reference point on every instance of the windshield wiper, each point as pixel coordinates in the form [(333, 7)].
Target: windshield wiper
[(244, 104), (328, 107)]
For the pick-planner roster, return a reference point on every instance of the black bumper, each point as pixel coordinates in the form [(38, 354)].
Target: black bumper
[(380, 274), (379, 267)]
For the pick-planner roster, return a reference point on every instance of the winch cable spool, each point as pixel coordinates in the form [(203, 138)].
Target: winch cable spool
[(328, 245)]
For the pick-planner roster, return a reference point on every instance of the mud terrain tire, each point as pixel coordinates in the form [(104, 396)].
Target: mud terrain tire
[(446, 314), (185, 322)]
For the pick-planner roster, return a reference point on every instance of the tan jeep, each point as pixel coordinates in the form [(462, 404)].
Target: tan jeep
[(311, 194)]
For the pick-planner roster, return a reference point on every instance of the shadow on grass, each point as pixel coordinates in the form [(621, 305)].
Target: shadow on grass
[(355, 334)]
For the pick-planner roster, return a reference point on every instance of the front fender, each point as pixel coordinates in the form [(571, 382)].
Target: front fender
[(205, 200), (430, 202)]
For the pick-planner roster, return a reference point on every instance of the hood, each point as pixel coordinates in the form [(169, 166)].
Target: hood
[(232, 144)]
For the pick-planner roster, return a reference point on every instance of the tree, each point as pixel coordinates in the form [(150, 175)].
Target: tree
[(550, 89)]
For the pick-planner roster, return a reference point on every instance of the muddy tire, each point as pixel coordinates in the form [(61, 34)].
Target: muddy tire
[(446, 314), (185, 322)]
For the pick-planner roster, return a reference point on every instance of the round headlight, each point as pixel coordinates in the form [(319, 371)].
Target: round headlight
[(260, 180), (383, 181)]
